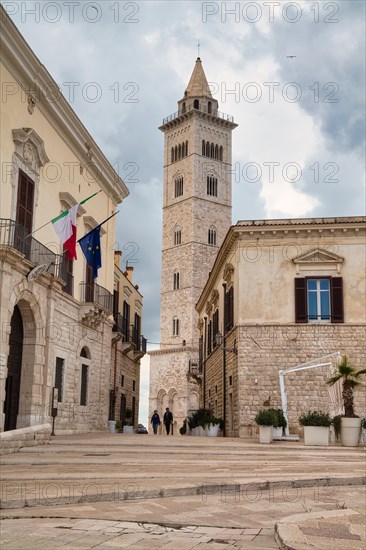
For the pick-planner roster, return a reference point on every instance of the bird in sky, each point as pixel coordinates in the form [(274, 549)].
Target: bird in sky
[(291, 56)]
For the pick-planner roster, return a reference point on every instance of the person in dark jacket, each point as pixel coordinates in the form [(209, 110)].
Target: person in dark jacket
[(168, 420), (155, 421)]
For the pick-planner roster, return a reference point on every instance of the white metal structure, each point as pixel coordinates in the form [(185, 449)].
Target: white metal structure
[(303, 366)]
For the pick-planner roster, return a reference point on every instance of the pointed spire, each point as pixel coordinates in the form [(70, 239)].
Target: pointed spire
[(198, 85)]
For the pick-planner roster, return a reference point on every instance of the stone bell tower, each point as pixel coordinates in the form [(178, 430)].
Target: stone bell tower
[(196, 216)]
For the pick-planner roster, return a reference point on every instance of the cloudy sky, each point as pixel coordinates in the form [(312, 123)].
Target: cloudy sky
[(299, 146)]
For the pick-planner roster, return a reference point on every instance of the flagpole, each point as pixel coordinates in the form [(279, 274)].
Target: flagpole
[(44, 225), (96, 227)]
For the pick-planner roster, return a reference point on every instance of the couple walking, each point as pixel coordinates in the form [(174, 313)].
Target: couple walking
[(167, 420)]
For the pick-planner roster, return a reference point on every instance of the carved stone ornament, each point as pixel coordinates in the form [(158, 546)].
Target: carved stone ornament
[(30, 147), (28, 153), (31, 104)]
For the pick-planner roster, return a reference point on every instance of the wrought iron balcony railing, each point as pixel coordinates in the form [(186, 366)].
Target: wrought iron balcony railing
[(97, 294), (16, 236)]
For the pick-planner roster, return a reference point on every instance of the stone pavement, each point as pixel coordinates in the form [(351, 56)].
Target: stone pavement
[(94, 491)]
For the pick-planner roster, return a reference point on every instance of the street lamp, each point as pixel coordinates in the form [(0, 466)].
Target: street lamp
[(220, 340)]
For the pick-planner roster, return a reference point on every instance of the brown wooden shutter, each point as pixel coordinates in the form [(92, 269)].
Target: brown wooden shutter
[(25, 202), (337, 311), (301, 314)]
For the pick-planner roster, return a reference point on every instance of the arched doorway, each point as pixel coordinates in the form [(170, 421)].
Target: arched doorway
[(12, 385)]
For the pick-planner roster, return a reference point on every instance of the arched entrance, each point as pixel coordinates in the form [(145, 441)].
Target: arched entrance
[(12, 386)]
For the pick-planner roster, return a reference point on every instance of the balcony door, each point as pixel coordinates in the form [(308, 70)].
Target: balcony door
[(89, 284)]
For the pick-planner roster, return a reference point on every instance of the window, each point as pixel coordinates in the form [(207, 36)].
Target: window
[(196, 104), (183, 107), (230, 380), (319, 300), (229, 309), (177, 236), (178, 187), (59, 375), (24, 216), (209, 337), (211, 186), (212, 236), (176, 281), (126, 320), (175, 327), (133, 385), (122, 380), (215, 326), (209, 107), (84, 384)]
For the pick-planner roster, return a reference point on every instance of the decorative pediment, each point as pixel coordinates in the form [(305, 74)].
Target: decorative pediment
[(92, 223), (68, 201), (318, 259), (30, 147), (214, 296)]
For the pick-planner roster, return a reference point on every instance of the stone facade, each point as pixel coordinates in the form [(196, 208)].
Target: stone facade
[(197, 146), (128, 345), (56, 326), (260, 261)]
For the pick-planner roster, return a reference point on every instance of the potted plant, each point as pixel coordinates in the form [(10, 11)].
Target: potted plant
[(118, 425), (127, 425), (279, 423), (183, 428), (215, 424), (265, 419), (350, 423), (316, 427)]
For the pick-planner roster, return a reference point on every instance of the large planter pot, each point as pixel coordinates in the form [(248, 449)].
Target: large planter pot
[(316, 435), (277, 433), (212, 430), (350, 431), (128, 429), (201, 431), (195, 431), (265, 434), (112, 426)]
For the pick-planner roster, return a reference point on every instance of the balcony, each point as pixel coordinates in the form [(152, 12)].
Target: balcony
[(15, 236), (194, 373), (131, 339), (202, 109), (97, 304)]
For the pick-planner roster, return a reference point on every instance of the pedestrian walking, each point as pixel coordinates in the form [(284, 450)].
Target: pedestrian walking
[(168, 420), (155, 421)]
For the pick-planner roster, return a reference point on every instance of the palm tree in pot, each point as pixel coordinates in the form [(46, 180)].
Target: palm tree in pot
[(350, 422)]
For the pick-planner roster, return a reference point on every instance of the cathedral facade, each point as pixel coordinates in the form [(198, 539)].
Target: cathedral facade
[(196, 217)]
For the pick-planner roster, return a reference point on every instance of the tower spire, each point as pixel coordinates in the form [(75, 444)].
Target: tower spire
[(198, 85)]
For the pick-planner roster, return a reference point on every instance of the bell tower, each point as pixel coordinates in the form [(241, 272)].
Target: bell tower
[(196, 216)]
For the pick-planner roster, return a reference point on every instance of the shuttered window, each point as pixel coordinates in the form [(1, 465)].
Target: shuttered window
[(319, 299), (25, 202)]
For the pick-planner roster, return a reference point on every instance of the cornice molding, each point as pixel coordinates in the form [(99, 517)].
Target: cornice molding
[(35, 80)]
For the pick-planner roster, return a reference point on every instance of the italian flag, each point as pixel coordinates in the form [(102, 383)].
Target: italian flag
[(65, 227)]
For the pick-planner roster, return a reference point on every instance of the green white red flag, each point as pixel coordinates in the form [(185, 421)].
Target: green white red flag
[(65, 227)]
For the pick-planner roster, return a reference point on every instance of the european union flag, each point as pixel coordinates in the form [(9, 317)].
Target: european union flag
[(90, 245)]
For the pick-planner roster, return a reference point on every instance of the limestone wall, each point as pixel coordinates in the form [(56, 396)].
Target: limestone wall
[(13, 440)]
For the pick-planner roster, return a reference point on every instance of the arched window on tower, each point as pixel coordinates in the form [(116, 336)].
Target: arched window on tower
[(178, 187), (203, 148), (211, 186), (212, 235), (172, 155), (212, 152), (179, 151), (184, 107), (221, 153), (186, 148), (209, 107), (216, 151), (177, 235), (207, 149), (176, 280), (175, 326), (175, 154), (196, 104)]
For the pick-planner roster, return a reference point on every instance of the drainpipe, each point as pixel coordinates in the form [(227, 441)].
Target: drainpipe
[(224, 363), (204, 362)]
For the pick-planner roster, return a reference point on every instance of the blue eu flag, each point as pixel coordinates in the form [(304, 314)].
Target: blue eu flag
[(90, 245)]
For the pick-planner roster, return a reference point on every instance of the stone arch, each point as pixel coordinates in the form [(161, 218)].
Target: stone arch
[(33, 404)]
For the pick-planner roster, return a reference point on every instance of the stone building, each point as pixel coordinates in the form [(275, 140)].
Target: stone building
[(56, 321), (281, 292), (128, 345), (196, 217)]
